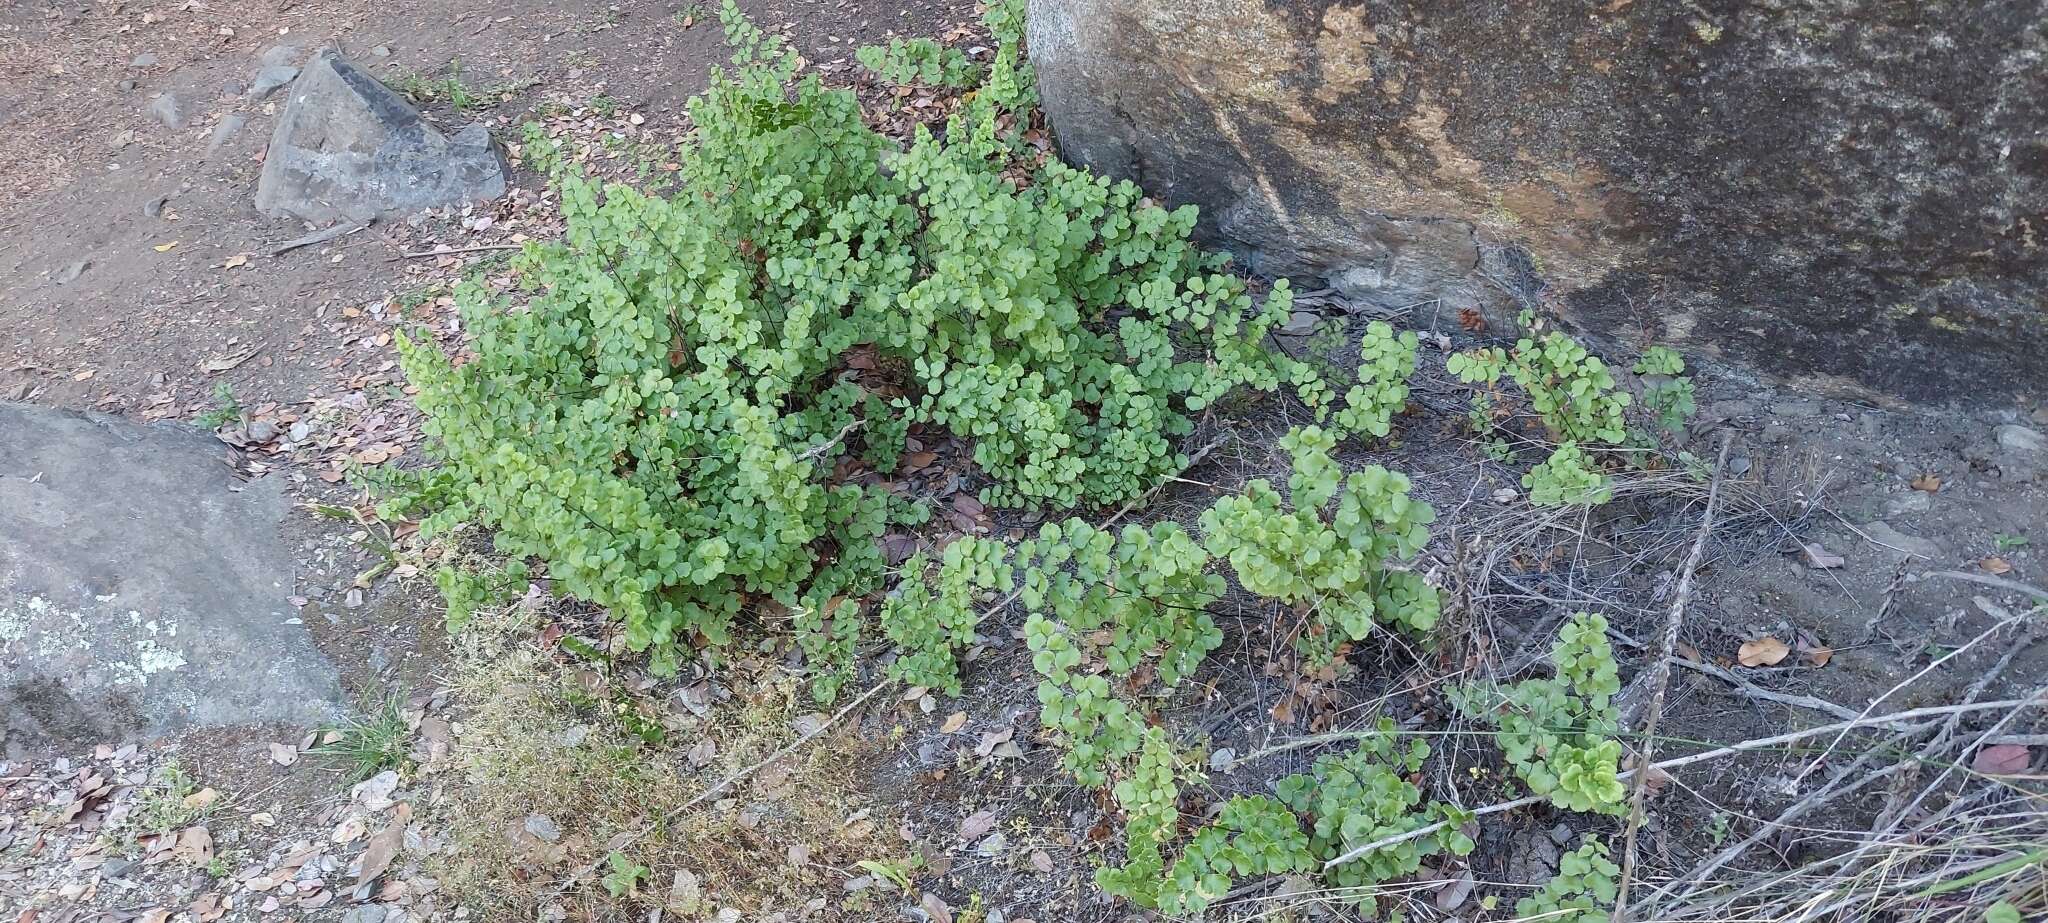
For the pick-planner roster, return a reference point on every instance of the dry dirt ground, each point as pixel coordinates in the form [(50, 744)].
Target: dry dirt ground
[(139, 282)]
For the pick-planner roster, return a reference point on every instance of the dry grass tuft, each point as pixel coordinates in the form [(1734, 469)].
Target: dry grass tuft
[(549, 776)]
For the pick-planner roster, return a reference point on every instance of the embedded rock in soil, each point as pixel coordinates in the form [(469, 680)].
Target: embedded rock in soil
[(166, 109), (347, 146), (270, 79), (143, 588), (2022, 439), (1849, 194)]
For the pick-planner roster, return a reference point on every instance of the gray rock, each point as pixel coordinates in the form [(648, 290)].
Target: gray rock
[(1912, 501), (278, 56), (1796, 409), (70, 274), (1896, 541), (127, 84), (2021, 439), (142, 588), (118, 867), (1300, 324), (1605, 157), (166, 109), (270, 79), (348, 147), (543, 828), (223, 132), (145, 59)]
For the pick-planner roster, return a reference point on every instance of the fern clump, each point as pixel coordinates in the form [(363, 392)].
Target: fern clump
[(919, 60), (1250, 838), (657, 414), (1583, 890), (1385, 362), (1567, 478), (1347, 800), (1558, 733), (932, 621), (1339, 566), (1363, 797), (1667, 392), (1135, 603)]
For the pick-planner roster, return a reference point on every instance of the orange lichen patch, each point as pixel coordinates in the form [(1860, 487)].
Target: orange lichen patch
[(1344, 53)]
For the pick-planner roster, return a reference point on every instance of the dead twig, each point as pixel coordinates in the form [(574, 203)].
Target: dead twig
[(1885, 838), (1854, 777), (1661, 677), (1730, 750), (1988, 580), (321, 236), (479, 248), (1923, 671), (826, 446), (1750, 690)]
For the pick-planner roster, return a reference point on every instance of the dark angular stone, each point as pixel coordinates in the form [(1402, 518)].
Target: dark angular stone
[(347, 146)]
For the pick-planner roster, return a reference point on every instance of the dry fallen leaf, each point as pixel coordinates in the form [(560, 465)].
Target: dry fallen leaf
[(350, 829), (202, 799), (953, 722), (1763, 652), (164, 248), (990, 740), (2002, 760), (1927, 482), (284, 754), (239, 259), (208, 908), (225, 363), (1820, 656), (1995, 565), (195, 846), (935, 908), (374, 793), (1453, 894), (383, 848), (977, 825), (702, 753), (1041, 862)]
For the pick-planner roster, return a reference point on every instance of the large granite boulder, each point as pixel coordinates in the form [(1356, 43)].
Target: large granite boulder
[(349, 147), (143, 588), (1851, 194)]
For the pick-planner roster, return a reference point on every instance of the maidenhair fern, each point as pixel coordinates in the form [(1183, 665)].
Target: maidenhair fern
[(1338, 566), (657, 415), (1558, 733)]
